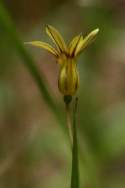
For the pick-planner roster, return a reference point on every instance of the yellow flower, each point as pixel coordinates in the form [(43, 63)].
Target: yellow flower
[(66, 55)]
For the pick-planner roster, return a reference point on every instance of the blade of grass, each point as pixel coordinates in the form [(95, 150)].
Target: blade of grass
[(75, 163), (9, 28)]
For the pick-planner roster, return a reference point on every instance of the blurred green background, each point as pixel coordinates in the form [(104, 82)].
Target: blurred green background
[(34, 149)]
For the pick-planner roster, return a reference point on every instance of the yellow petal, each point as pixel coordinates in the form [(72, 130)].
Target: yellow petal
[(86, 41), (74, 43), (43, 45), (56, 38)]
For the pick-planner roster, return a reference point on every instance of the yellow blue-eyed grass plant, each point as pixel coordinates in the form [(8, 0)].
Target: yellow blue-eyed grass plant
[(68, 79)]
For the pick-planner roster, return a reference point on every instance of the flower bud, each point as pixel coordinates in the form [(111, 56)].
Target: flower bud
[(68, 78)]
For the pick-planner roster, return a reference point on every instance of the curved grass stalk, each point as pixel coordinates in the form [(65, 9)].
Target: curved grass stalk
[(9, 28)]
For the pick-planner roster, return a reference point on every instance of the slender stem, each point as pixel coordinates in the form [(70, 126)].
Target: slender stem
[(75, 161), (69, 123), (67, 101), (73, 137)]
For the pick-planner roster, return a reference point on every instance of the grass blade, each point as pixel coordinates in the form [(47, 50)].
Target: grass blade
[(7, 25), (75, 163)]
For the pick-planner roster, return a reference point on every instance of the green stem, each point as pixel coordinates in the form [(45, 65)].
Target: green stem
[(69, 123), (75, 160), (67, 101)]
